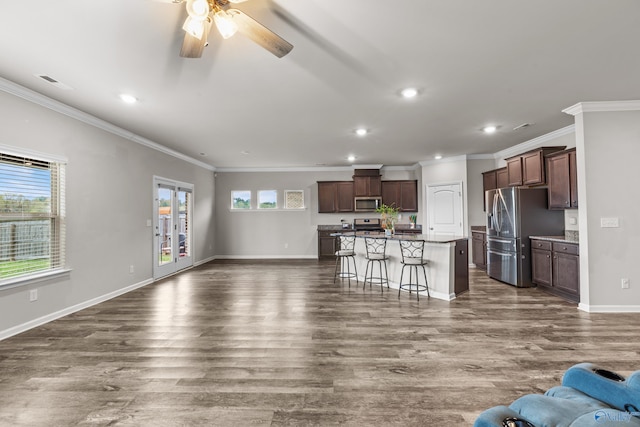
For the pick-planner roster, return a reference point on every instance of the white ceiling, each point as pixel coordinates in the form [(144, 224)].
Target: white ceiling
[(476, 62)]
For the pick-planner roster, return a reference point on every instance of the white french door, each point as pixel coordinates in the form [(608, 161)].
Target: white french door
[(172, 207)]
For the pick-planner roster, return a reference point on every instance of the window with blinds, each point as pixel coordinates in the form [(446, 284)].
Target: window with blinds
[(31, 217), (294, 199)]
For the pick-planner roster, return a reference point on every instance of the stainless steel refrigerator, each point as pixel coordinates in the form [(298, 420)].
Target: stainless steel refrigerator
[(514, 214)]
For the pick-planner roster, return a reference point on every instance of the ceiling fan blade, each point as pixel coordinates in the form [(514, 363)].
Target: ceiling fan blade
[(192, 47), (260, 34)]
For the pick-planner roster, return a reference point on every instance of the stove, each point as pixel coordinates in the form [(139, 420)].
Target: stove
[(367, 224)]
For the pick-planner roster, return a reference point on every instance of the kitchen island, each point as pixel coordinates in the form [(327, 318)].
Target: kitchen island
[(447, 270)]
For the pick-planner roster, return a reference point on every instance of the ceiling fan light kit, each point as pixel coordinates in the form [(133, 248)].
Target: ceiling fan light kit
[(202, 13), (198, 9), (225, 24)]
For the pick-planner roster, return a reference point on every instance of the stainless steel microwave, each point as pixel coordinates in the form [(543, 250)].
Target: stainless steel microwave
[(367, 204)]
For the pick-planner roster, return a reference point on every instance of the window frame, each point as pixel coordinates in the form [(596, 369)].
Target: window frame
[(234, 192), (56, 239), (259, 202), (286, 207)]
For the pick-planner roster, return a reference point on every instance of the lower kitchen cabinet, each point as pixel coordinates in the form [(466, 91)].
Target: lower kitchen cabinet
[(555, 268), (479, 249), (327, 244)]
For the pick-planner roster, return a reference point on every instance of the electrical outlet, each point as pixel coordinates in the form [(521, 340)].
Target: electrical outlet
[(286, 245), (131, 269), (33, 295), (625, 283)]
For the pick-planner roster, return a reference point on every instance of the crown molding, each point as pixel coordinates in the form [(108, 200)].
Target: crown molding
[(59, 107), (444, 160), (534, 143), (287, 169), (602, 106)]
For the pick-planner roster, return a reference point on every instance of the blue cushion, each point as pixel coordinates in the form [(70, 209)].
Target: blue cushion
[(588, 397), (622, 395), (547, 411), (493, 417)]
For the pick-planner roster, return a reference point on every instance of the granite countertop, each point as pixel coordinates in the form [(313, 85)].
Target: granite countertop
[(334, 227), (479, 229), (429, 238), (559, 239)]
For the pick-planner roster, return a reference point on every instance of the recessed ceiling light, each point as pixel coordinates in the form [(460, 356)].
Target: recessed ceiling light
[(361, 131), (437, 157), (409, 92), (245, 152), (351, 158), (127, 98), (489, 129)]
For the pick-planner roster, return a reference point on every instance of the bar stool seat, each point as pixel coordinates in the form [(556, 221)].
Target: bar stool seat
[(376, 254), (345, 256), (412, 252)]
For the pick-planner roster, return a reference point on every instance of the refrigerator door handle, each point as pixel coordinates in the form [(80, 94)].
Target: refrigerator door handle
[(495, 219)]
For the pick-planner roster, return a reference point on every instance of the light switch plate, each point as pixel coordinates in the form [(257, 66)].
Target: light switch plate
[(609, 222)]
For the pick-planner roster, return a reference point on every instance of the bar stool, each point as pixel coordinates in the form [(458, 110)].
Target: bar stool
[(346, 252), (412, 252), (376, 253)]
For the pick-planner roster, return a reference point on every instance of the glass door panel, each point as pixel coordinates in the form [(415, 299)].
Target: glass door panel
[(184, 201), (172, 227)]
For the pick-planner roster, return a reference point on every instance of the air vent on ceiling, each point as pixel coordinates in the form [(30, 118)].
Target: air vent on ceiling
[(522, 126), (54, 82)]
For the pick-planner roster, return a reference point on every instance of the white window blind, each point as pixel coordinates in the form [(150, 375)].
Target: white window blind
[(294, 199), (32, 216)]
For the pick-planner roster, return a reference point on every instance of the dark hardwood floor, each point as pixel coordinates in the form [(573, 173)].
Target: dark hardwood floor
[(238, 343)]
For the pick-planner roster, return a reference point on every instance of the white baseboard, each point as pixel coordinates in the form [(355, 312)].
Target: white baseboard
[(609, 308), (69, 310), (204, 261), (258, 257)]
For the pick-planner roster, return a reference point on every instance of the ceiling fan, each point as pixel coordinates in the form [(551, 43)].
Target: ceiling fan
[(203, 14)]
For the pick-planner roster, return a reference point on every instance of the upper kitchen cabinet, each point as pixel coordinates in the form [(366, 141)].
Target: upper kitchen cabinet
[(529, 168), (562, 180), (493, 179), (335, 196), (402, 194), (367, 182), (514, 171)]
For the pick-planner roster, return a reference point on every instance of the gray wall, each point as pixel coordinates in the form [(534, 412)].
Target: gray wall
[(280, 233), (108, 199), (608, 149)]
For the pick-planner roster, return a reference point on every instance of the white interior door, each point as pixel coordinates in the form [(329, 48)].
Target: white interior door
[(444, 209), (172, 206)]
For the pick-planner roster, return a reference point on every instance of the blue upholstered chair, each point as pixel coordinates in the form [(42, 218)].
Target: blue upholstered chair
[(588, 397)]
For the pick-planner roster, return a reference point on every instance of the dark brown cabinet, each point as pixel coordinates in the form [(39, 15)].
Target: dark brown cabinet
[(327, 244), (502, 178), (562, 180), (461, 267), (401, 194), (493, 179), (335, 196), (529, 168), (555, 268), (479, 249), (367, 186), (541, 265), (514, 171)]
